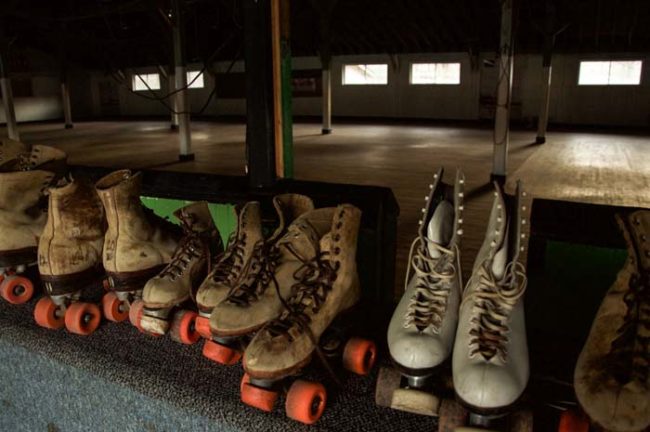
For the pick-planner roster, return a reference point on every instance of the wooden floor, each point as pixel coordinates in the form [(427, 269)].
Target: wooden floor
[(402, 157)]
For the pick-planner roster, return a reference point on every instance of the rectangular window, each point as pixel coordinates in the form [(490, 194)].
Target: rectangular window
[(365, 74), (143, 82), (435, 73), (195, 83), (610, 73)]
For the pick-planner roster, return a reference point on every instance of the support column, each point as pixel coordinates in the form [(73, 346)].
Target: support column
[(171, 80), (185, 134), (542, 122), (504, 93), (260, 143), (287, 89), (327, 101), (67, 110), (8, 99)]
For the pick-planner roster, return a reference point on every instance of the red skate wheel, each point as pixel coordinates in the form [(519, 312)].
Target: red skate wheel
[(220, 353), (82, 318), (306, 401), (46, 314), (257, 397), (359, 355), (135, 314), (16, 289), (114, 309), (573, 421), (203, 327), (183, 328)]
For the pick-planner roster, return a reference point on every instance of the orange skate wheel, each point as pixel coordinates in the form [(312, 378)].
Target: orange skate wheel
[(183, 328), (47, 314), (114, 309), (220, 353), (16, 289), (573, 421), (306, 401), (257, 397), (82, 318), (135, 314), (359, 355), (203, 327)]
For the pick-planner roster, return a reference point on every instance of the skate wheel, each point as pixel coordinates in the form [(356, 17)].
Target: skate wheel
[(306, 401), (46, 314), (573, 421), (16, 289), (203, 327), (387, 382), (257, 397), (451, 416), (82, 318), (114, 309), (359, 355), (220, 353), (183, 328), (135, 314)]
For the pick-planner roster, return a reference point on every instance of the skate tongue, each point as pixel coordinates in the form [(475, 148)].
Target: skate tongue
[(440, 228), (250, 222), (500, 260), (195, 217), (303, 240)]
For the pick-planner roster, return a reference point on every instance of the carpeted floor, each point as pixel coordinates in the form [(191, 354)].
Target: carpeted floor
[(119, 379)]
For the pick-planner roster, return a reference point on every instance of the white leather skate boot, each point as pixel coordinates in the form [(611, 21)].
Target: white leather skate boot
[(422, 330), (490, 359)]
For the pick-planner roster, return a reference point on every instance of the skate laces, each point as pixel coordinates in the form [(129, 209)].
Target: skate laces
[(492, 302), (193, 245), (228, 268), (630, 351), (429, 300), (258, 275), (315, 278)]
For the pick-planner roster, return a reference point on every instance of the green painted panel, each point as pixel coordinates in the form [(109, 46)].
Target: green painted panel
[(224, 215)]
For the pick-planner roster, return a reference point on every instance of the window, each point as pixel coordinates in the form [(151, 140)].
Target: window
[(143, 82), (365, 74), (610, 73), (195, 79), (435, 73)]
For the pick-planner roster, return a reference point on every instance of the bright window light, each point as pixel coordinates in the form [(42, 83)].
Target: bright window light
[(198, 83), (610, 73), (435, 73), (365, 74), (143, 82)]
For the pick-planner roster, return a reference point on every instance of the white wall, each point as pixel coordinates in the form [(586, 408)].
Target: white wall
[(570, 104), (45, 104)]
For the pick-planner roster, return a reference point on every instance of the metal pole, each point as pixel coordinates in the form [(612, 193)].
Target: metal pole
[(185, 137), (260, 137), (171, 80), (546, 101), (8, 100), (504, 90), (327, 101), (287, 90), (67, 110)]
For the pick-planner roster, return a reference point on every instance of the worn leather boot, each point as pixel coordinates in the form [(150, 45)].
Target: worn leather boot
[(612, 376), (138, 244), (246, 263), (178, 281), (490, 358), (422, 331), (70, 258), (317, 278)]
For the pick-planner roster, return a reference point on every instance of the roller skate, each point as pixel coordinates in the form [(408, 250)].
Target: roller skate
[(176, 284), (24, 179), (69, 259), (316, 282), (490, 359), (422, 330), (247, 261), (137, 246), (612, 375)]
